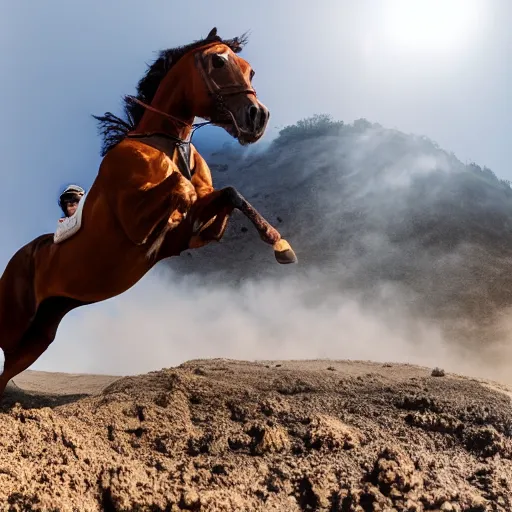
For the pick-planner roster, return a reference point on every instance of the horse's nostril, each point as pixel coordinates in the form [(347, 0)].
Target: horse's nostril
[(263, 118), (257, 117), (253, 113)]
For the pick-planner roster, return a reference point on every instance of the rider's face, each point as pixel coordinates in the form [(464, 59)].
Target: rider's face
[(71, 207)]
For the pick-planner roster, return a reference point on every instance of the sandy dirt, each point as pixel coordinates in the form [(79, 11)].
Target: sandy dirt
[(219, 435)]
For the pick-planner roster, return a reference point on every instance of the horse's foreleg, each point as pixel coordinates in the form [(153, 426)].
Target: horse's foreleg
[(142, 210), (212, 230), (225, 200)]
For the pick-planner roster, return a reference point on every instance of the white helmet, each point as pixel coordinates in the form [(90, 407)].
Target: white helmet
[(70, 192)]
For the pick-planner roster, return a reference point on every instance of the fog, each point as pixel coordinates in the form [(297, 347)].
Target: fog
[(403, 257)]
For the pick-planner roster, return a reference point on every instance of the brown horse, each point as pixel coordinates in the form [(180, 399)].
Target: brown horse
[(152, 198)]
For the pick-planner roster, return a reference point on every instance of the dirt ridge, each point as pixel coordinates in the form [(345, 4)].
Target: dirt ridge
[(222, 435)]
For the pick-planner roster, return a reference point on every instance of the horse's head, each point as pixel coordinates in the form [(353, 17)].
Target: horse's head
[(217, 86), (203, 79), (224, 91)]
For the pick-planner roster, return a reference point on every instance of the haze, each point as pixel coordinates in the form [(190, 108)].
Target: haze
[(441, 69)]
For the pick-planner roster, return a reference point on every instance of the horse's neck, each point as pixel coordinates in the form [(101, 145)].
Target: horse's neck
[(174, 104)]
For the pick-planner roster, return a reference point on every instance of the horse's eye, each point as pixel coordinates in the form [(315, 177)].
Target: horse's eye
[(217, 61), (252, 73)]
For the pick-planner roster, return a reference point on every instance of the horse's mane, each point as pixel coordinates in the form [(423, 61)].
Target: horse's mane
[(113, 128)]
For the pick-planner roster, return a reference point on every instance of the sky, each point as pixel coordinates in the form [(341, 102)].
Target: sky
[(435, 68)]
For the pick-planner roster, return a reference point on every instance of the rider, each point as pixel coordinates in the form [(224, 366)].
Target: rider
[(69, 199)]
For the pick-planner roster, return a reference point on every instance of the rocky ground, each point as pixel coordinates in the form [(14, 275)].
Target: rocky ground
[(223, 435)]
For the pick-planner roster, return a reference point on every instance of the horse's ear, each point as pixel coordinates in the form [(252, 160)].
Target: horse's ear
[(212, 34)]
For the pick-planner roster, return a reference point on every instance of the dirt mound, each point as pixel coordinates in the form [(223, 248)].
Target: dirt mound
[(293, 436)]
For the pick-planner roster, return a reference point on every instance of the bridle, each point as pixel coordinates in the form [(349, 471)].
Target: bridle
[(218, 93)]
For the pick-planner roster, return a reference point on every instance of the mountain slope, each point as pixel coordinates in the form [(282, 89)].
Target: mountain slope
[(366, 207)]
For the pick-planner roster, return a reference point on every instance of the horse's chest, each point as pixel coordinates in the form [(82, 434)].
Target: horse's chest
[(179, 154)]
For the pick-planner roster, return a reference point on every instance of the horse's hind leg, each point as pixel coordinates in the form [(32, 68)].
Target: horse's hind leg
[(17, 300), (37, 338)]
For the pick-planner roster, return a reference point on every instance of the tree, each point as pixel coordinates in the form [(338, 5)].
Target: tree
[(311, 127)]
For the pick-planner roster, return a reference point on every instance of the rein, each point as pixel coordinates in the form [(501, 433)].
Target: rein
[(153, 109)]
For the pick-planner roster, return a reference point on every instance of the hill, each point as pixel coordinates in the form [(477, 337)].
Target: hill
[(388, 217)]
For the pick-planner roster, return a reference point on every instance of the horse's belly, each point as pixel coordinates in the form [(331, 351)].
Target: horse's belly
[(89, 272)]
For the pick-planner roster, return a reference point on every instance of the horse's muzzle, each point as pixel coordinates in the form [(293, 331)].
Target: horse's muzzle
[(251, 122), (257, 118)]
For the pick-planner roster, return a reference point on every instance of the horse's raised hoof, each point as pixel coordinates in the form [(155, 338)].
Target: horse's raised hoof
[(284, 253)]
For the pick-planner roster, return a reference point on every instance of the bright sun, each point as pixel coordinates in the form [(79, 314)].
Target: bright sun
[(432, 24)]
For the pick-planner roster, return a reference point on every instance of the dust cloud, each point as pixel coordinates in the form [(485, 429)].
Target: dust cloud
[(164, 321), (403, 257)]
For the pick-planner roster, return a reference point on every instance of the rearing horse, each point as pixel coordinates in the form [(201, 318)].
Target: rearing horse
[(153, 197)]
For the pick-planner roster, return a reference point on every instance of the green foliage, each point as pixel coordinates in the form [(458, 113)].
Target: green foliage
[(311, 127), (361, 125), (487, 175), (322, 124)]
